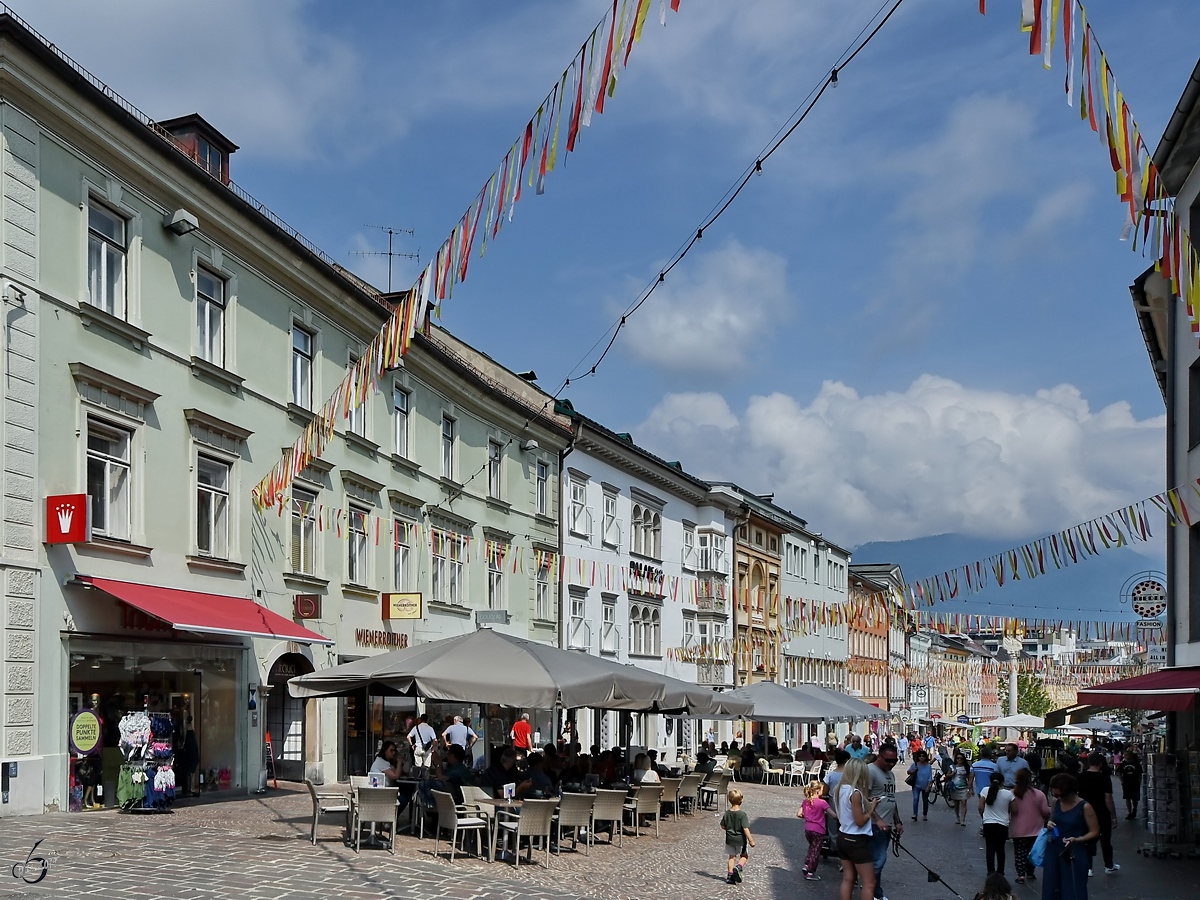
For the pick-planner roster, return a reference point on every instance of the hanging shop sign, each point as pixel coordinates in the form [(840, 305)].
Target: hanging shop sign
[(1149, 625), (401, 606), (85, 732), (307, 606), (68, 519)]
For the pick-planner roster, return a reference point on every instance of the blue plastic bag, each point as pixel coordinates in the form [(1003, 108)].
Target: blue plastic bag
[(1037, 854)]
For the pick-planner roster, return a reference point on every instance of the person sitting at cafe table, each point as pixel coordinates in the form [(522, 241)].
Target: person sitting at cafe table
[(538, 782), (500, 772), (606, 767), (642, 772), (455, 771), (386, 764)]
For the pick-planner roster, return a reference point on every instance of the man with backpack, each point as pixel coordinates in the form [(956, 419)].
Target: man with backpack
[(423, 738)]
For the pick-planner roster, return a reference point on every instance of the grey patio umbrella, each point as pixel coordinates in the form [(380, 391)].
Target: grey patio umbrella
[(775, 703), (695, 701), (852, 707), (488, 666)]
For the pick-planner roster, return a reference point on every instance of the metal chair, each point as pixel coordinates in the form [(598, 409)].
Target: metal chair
[(689, 791), (325, 802), (646, 801), (671, 792), (574, 812), (610, 807), (532, 822), (715, 788), (375, 805), (454, 819)]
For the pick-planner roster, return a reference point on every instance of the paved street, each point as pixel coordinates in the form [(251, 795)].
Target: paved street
[(257, 847)]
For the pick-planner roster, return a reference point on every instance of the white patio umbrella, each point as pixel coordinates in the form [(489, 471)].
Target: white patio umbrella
[(1020, 720)]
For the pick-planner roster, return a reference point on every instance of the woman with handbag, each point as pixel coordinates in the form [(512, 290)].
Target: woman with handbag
[(1074, 824), (920, 776), (959, 787), (1028, 815)]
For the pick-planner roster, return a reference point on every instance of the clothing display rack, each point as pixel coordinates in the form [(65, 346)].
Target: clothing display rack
[(147, 779)]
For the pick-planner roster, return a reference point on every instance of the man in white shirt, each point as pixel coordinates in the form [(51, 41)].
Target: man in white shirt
[(460, 734), (423, 738)]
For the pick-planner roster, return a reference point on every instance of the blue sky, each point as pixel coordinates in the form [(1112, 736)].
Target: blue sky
[(916, 322)]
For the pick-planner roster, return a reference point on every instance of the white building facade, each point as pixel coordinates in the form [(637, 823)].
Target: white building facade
[(645, 577)]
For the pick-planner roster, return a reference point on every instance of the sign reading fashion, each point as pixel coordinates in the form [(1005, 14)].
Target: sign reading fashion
[(367, 637), (67, 519)]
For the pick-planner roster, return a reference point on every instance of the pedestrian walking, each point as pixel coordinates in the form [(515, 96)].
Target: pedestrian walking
[(981, 774), (1010, 764), (1028, 813), (1065, 873), (737, 836), (958, 788), (887, 814), (1130, 771), (854, 812), (813, 811), (1095, 786), (920, 776), (994, 807)]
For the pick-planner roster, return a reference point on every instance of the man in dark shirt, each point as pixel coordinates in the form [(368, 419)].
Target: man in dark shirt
[(1095, 786), (499, 773), (1130, 771), (456, 774), (538, 781)]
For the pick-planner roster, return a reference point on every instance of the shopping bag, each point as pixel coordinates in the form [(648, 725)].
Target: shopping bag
[(1037, 854)]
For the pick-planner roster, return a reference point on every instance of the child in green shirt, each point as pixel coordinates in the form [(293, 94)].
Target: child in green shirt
[(736, 825)]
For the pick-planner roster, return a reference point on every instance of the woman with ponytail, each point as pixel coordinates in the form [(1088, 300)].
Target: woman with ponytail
[(993, 805)]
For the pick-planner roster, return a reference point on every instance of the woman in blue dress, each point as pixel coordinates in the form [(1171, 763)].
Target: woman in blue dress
[(1065, 875)]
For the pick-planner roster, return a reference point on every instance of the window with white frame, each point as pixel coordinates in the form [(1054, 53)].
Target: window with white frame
[(543, 605), (302, 367), (803, 573), (647, 532), (210, 317), (401, 550), (304, 532), (106, 259), (645, 628), (580, 516), (578, 637), (356, 414), (109, 477), (400, 398), (541, 492), (357, 566), (495, 570), (448, 430), (689, 559), (495, 470), (611, 530), (689, 630), (212, 507), (447, 575), (608, 627)]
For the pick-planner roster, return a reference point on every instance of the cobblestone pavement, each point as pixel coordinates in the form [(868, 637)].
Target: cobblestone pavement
[(258, 847)]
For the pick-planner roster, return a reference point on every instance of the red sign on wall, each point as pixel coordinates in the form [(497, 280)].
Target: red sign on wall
[(68, 519)]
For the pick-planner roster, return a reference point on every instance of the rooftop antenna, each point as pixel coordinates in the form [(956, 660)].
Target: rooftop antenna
[(391, 233)]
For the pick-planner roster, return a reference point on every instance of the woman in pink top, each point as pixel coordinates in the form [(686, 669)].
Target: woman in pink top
[(813, 812), (1027, 816)]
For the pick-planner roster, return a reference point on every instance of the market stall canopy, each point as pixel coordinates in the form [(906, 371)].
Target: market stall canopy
[(203, 613), (773, 702), (854, 708), (488, 666), (1070, 715), (1020, 720), (1172, 689)]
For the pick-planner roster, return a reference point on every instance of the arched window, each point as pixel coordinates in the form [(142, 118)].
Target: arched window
[(635, 544), (653, 647), (656, 534)]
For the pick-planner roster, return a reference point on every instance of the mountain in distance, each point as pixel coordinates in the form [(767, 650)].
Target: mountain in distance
[(1087, 590)]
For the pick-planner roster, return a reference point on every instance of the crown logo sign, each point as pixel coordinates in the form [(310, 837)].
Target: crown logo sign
[(65, 513)]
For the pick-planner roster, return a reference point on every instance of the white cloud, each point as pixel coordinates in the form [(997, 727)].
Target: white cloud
[(707, 315), (938, 457)]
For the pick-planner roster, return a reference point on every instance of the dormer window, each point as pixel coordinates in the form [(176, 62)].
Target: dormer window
[(206, 146)]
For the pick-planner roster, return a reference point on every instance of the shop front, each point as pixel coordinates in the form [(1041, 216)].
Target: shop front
[(285, 718), (161, 692)]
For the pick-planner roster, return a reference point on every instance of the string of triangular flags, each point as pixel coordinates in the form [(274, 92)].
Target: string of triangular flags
[(1150, 214), (571, 104)]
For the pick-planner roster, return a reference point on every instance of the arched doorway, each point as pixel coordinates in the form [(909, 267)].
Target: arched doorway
[(284, 717)]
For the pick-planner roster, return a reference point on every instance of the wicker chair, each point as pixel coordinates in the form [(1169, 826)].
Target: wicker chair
[(610, 808), (689, 792), (454, 819), (532, 822), (375, 805), (646, 801), (328, 802), (671, 793), (574, 812)]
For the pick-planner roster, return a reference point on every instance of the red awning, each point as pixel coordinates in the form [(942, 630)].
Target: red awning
[(1168, 689), (205, 613)]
